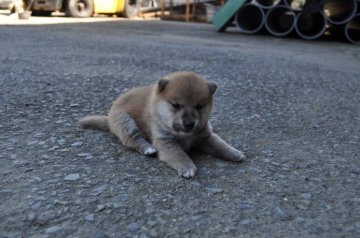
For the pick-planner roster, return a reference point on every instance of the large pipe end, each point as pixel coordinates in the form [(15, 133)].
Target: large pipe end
[(340, 11), (352, 30), (310, 27), (280, 21), (250, 19), (267, 4)]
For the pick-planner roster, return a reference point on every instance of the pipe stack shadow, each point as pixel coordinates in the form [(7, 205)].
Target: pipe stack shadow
[(308, 19)]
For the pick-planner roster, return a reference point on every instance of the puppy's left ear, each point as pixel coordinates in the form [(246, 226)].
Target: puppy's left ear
[(212, 87), (162, 83)]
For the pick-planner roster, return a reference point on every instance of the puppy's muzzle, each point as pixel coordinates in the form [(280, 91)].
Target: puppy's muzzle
[(189, 125), (188, 121), (185, 127)]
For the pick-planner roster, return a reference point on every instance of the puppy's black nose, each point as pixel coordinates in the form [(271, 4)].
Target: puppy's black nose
[(189, 125)]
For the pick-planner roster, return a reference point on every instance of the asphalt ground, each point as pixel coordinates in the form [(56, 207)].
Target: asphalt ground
[(292, 106)]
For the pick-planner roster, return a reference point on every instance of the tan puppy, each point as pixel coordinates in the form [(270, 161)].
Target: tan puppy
[(168, 118)]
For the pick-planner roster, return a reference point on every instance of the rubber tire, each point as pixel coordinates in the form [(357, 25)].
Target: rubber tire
[(72, 11), (131, 10), (41, 13)]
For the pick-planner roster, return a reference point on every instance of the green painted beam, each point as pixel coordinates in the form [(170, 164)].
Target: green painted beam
[(225, 15)]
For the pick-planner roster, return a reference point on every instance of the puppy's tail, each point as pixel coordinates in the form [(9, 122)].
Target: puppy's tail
[(94, 122)]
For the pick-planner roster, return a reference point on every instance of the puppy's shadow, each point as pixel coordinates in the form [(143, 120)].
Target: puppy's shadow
[(198, 156)]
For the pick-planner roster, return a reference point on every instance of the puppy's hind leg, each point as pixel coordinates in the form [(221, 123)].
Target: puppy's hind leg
[(124, 127)]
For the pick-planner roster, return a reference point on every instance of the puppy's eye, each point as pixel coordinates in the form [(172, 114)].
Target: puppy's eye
[(199, 107), (176, 106)]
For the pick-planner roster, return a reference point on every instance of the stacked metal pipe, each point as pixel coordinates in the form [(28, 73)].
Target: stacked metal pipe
[(284, 17)]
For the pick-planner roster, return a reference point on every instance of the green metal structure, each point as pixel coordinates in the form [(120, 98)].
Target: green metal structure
[(226, 14)]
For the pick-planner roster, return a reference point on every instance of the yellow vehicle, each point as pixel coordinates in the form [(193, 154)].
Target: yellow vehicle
[(85, 8)]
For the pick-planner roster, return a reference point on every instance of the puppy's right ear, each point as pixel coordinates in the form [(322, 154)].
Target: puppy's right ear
[(212, 87), (162, 84)]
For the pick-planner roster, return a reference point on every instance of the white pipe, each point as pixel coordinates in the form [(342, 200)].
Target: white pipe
[(340, 11), (310, 27), (250, 18), (280, 20), (352, 30)]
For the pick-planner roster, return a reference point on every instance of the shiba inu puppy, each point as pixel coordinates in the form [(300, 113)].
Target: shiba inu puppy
[(168, 119)]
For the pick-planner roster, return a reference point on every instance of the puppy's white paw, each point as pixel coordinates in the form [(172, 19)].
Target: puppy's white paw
[(241, 156), (238, 156), (187, 171), (150, 151)]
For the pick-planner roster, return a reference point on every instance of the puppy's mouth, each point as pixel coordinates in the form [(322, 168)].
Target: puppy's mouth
[(179, 129)]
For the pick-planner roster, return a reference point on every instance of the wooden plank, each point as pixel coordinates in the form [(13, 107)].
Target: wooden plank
[(225, 15), (162, 8), (187, 12)]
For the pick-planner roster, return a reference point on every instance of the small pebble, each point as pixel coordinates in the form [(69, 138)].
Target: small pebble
[(133, 227), (306, 196), (83, 154), (117, 205), (72, 177), (214, 190), (195, 183), (31, 216), (90, 218), (153, 233), (76, 144), (37, 135), (268, 153), (244, 206), (53, 148), (32, 142), (300, 206), (99, 190), (99, 234), (281, 213), (36, 205), (28, 169), (137, 180), (246, 221), (100, 208), (53, 229), (19, 162)]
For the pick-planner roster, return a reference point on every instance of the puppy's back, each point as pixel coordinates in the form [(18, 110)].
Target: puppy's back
[(135, 103)]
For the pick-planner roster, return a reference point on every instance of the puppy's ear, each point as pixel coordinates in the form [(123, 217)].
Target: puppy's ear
[(162, 84), (212, 87)]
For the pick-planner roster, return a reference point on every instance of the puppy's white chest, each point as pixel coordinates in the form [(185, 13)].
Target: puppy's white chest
[(185, 142)]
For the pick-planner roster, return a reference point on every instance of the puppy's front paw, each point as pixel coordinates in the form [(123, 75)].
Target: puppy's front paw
[(150, 151), (237, 156), (187, 170)]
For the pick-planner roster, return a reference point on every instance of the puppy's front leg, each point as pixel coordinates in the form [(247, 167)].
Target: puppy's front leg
[(171, 153), (217, 147)]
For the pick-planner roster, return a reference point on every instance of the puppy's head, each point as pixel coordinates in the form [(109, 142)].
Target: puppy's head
[(185, 101)]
